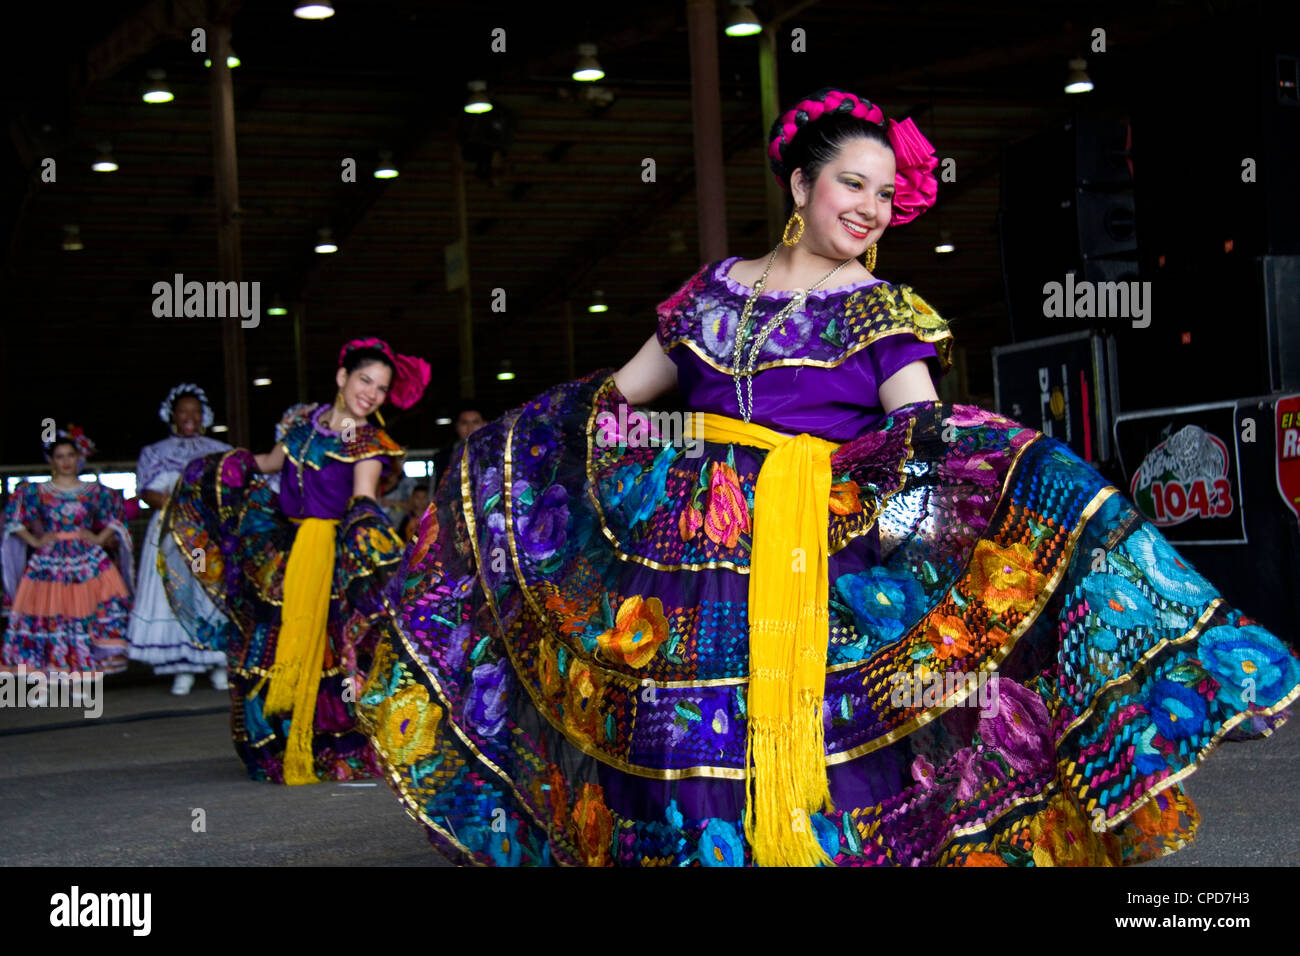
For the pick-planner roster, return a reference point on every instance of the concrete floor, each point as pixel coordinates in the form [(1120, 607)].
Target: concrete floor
[(122, 790)]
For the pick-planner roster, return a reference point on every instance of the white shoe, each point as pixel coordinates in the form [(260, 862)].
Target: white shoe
[(218, 678), (182, 684)]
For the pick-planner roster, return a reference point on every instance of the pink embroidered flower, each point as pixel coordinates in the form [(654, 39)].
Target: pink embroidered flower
[(689, 523), (728, 514), (923, 772)]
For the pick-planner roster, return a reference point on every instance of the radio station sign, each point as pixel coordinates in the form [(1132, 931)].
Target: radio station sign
[(1183, 471)]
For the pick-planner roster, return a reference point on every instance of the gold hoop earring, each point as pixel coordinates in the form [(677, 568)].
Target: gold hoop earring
[(795, 220), (870, 258)]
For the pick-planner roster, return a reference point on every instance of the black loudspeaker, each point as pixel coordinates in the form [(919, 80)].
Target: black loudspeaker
[(1214, 180), (1066, 207)]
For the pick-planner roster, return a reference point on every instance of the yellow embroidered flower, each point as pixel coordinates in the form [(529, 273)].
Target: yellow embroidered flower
[(407, 724), (584, 716), (922, 314), (638, 630), (1004, 578), (1063, 837)]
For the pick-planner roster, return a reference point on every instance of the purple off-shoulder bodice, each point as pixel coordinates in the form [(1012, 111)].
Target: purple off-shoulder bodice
[(820, 390)]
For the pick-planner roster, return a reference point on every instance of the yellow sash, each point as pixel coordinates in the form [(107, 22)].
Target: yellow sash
[(300, 647), (789, 632)]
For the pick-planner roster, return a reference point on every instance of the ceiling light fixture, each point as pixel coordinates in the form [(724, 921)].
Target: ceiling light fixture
[(477, 101), (588, 68), (385, 169), (1077, 80), (156, 89), (317, 10), (743, 22), (325, 242)]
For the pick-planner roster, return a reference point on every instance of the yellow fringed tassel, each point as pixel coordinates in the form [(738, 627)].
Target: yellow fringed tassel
[(300, 645), (788, 637)]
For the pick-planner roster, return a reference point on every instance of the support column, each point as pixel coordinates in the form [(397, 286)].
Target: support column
[(774, 196), (569, 373), (706, 103), (229, 266), (465, 319), (299, 361)]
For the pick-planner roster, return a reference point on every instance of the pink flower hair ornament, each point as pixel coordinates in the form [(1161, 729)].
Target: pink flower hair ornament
[(915, 185), (80, 440), (410, 376)]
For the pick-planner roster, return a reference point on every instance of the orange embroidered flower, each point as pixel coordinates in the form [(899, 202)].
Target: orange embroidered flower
[(983, 859), (1158, 817), (949, 635), (569, 617), (594, 826), (844, 498), (559, 797), (1005, 577), (728, 514), (548, 669), (639, 628), (690, 522)]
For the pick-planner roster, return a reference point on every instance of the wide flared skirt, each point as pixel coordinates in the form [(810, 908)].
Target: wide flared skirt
[(70, 612), (226, 519), (1020, 669), (156, 636)]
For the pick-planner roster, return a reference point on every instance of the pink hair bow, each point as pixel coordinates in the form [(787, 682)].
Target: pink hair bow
[(411, 375), (915, 185)]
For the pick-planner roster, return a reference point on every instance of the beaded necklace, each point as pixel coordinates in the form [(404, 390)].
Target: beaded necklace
[(746, 370)]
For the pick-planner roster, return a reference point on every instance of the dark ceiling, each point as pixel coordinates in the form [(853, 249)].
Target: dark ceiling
[(556, 210)]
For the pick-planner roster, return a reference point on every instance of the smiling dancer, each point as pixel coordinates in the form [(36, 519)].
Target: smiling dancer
[(768, 653), (292, 569), (190, 639)]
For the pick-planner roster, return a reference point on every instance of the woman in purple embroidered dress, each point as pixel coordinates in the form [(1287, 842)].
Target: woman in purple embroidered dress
[(292, 568), (846, 624)]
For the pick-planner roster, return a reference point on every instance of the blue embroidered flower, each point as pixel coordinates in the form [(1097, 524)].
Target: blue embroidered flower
[(1250, 664), (1171, 576), (1118, 601), (1147, 758), (673, 815), (620, 484), (828, 834), (720, 844), (884, 604), (504, 848), (1178, 711), (647, 492)]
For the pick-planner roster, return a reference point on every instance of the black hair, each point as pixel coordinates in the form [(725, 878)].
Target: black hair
[(63, 440), (193, 395), (468, 405), (356, 358), (820, 141)]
